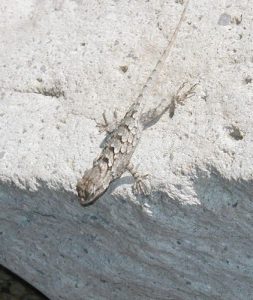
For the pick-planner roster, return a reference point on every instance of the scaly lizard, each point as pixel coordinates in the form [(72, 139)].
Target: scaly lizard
[(122, 140)]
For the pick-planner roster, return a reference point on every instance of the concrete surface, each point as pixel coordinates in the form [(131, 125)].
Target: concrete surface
[(62, 63)]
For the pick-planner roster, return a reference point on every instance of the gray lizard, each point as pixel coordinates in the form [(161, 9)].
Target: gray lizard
[(122, 139)]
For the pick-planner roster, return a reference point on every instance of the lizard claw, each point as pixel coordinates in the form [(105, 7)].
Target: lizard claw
[(179, 99), (105, 125), (142, 185)]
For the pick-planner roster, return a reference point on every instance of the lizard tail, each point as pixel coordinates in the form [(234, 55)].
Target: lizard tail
[(163, 57)]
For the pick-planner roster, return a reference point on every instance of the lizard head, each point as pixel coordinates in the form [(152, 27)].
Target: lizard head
[(91, 186)]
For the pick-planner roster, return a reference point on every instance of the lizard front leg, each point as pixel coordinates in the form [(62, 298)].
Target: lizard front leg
[(108, 126), (152, 116), (142, 182)]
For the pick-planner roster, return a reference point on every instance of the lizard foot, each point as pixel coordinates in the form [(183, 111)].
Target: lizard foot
[(142, 182), (142, 185), (105, 125), (181, 96)]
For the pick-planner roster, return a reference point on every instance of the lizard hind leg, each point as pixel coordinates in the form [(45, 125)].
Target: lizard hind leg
[(181, 96), (142, 181), (150, 117)]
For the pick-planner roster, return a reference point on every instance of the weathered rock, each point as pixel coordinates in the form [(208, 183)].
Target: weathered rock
[(61, 66)]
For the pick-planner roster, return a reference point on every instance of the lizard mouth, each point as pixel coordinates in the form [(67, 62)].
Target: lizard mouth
[(85, 202), (85, 198)]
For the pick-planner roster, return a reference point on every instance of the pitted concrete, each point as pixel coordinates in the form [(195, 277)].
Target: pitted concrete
[(62, 64)]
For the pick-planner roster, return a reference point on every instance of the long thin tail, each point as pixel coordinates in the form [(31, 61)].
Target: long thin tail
[(163, 57)]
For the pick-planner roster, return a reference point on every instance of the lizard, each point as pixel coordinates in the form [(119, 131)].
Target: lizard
[(122, 139)]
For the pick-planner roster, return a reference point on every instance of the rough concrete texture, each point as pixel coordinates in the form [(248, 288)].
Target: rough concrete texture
[(62, 63)]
